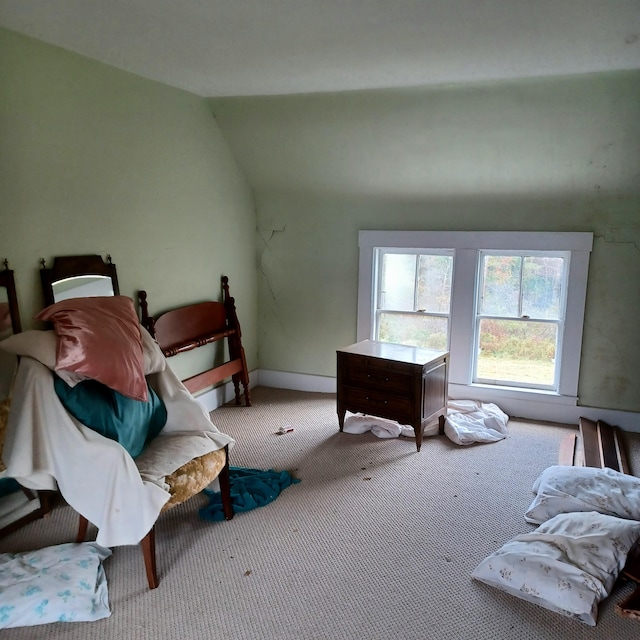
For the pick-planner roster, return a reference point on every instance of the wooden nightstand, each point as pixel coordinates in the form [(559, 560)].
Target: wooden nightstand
[(401, 383)]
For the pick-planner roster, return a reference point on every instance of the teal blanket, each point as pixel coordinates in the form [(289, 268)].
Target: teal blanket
[(250, 488), (7, 486)]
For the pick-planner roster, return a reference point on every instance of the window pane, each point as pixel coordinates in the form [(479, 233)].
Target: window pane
[(542, 286), (501, 286), (397, 284), (416, 330), (434, 283), (517, 351)]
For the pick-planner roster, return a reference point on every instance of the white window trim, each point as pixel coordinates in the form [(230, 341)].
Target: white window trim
[(560, 322), (376, 310), (467, 244)]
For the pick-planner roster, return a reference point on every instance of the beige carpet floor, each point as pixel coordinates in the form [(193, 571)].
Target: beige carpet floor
[(376, 542)]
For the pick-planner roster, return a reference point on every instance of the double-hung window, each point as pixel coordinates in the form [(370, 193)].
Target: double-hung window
[(508, 306), (413, 298), (519, 320)]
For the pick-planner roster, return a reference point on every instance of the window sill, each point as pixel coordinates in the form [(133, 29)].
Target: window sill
[(495, 393)]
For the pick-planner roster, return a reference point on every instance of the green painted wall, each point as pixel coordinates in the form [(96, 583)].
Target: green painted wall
[(535, 155), (96, 160)]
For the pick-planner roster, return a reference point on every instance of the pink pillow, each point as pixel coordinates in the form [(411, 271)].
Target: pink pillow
[(99, 338)]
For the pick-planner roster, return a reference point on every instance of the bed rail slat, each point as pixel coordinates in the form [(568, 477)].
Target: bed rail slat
[(590, 443)]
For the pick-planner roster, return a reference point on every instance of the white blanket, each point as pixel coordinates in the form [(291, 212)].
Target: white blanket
[(467, 422), (470, 422), (46, 448)]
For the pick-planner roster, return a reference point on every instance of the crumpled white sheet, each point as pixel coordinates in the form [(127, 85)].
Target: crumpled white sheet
[(382, 427), (471, 422), (467, 422), (379, 426), (46, 448)]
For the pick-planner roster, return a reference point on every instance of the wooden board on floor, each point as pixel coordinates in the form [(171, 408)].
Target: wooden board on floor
[(607, 437), (630, 607), (590, 443), (567, 454), (632, 568), (621, 454), (597, 444)]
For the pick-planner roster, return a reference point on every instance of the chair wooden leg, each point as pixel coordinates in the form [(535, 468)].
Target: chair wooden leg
[(29, 495), (46, 502), (83, 523), (225, 488), (148, 544)]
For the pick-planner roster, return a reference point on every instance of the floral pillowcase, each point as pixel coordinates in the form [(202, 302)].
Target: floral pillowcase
[(63, 583), (567, 565), (565, 489)]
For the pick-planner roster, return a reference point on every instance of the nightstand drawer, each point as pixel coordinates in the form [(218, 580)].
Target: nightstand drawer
[(380, 379), (353, 361), (363, 401)]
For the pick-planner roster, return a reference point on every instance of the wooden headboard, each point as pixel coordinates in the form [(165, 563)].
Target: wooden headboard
[(194, 325)]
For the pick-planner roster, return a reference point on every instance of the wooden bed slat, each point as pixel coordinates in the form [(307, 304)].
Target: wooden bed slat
[(607, 441), (191, 326), (568, 450), (590, 443), (210, 377), (579, 457), (630, 607), (598, 445), (621, 453)]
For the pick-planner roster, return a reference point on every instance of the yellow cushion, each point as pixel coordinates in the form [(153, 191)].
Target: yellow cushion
[(194, 476)]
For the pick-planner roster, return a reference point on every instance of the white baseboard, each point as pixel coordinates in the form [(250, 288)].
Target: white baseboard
[(297, 381), (214, 398), (531, 410), (539, 406)]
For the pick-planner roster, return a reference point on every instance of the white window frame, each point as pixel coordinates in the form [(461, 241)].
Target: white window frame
[(559, 322), (467, 245), (377, 290)]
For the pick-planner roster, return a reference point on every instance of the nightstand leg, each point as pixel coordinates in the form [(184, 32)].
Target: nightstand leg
[(418, 431), (342, 412)]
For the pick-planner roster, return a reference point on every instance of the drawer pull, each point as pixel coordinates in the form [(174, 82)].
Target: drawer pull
[(375, 400), (370, 377)]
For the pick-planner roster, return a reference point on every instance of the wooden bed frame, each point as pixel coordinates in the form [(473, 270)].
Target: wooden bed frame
[(72, 266), (191, 326), (7, 281)]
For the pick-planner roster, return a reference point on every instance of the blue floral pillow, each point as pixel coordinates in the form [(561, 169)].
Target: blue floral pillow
[(63, 583)]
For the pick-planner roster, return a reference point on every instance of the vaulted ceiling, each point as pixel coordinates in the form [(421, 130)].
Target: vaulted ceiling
[(262, 47)]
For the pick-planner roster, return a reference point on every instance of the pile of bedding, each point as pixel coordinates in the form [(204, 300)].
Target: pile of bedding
[(63, 583), (467, 422), (589, 523), (49, 448)]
